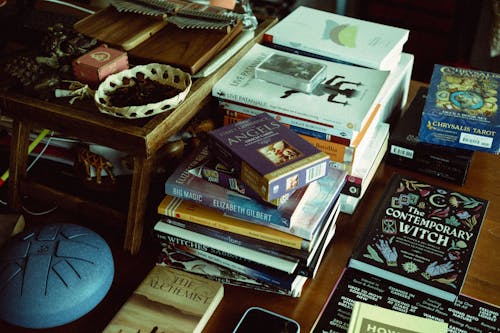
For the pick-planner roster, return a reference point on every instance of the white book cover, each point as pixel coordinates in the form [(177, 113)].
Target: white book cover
[(339, 37), (343, 100)]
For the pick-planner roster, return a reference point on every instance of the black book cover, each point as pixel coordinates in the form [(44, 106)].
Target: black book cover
[(405, 149), (422, 236)]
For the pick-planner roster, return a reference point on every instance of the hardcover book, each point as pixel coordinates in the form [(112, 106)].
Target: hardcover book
[(342, 102), (367, 318), (461, 109), (407, 151), (339, 38), (421, 235), (168, 300), (300, 215), (270, 158), (466, 314)]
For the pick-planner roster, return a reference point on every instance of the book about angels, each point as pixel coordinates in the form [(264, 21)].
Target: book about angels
[(342, 103), (461, 109), (168, 300), (269, 157), (421, 235), (334, 37)]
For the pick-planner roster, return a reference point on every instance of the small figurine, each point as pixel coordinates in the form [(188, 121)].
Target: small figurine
[(92, 160)]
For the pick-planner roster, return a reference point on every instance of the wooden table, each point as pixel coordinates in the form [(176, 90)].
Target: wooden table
[(482, 279), (140, 138)]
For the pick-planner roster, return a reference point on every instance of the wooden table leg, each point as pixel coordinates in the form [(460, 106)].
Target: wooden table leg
[(141, 180), (17, 162)]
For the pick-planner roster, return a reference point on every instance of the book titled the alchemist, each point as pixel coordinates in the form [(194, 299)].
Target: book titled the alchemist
[(422, 236), (270, 158), (168, 300), (461, 109)]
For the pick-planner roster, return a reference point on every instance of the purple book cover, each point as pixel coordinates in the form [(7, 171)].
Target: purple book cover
[(300, 215), (272, 159)]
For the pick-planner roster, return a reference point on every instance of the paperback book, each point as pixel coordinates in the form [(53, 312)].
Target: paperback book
[(422, 236), (334, 37), (342, 102), (407, 151), (265, 273), (367, 317), (461, 109), (175, 258), (300, 215), (308, 261), (269, 157), (168, 300), (464, 315)]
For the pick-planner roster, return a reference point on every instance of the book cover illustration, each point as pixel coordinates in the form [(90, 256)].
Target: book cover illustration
[(343, 101), (269, 157), (464, 315), (367, 318), (461, 109), (300, 215), (339, 38), (168, 300), (421, 235), (407, 151)]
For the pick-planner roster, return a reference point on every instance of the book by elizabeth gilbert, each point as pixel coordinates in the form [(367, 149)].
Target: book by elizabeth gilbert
[(343, 102), (168, 300), (270, 158), (461, 109), (300, 215), (422, 236), (334, 37)]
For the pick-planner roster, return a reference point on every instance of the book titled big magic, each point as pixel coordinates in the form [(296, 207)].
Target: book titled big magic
[(269, 157)]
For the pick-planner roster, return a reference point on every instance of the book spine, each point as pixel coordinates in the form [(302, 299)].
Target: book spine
[(298, 125), (243, 228), (281, 280), (234, 205), (240, 240), (338, 152), (178, 235)]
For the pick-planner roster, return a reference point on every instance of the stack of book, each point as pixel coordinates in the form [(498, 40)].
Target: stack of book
[(255, 207), (461, 109), (407, 151), (332, 79)]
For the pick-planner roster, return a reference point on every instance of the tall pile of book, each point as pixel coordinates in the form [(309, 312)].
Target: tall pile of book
[(255, 207), (333, 79)]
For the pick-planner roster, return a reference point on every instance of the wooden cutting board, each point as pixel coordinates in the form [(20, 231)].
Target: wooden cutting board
[(188, 49), (121, 30)]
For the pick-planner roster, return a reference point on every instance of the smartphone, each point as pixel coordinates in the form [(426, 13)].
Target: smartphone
[(256, 319)]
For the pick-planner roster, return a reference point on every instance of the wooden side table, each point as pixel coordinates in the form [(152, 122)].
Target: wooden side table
[(140, 138)]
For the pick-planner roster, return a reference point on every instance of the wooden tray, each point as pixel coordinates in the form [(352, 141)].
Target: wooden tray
[(122, 30), (188, 49)]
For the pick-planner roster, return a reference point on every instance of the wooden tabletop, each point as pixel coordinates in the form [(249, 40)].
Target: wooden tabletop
[(482, 279)]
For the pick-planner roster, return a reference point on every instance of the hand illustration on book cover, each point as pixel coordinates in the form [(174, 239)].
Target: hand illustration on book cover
[(423, 233)]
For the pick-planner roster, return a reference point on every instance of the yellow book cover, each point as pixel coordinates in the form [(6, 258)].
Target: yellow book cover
[(367, 318), (200, 214), (168, 300)]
